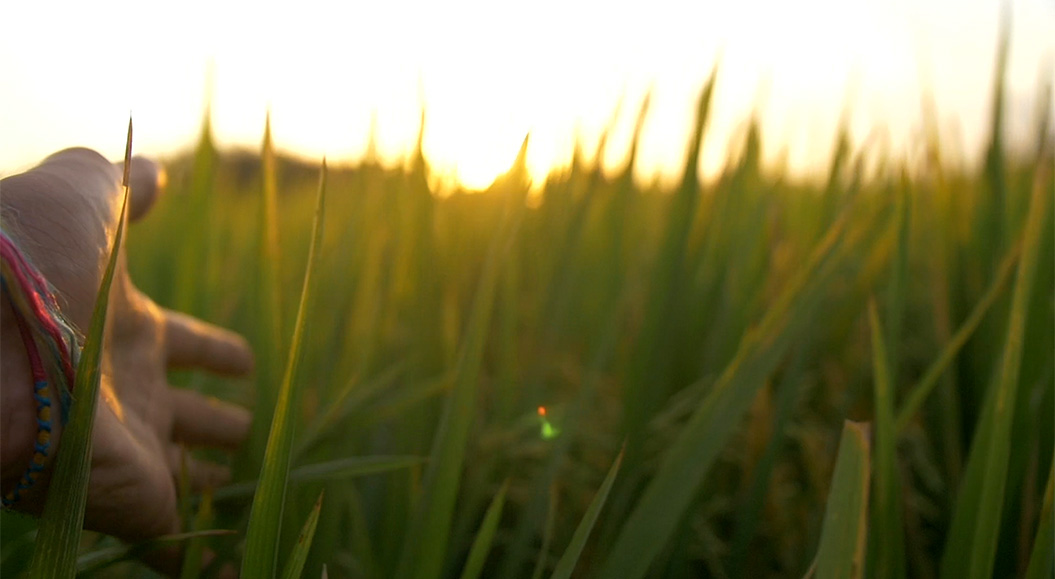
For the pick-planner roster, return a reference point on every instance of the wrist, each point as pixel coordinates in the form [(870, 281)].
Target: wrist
[(19, 426), (17, 423), (37, 365)]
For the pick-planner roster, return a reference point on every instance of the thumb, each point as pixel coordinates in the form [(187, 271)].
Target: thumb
[(146, 180)]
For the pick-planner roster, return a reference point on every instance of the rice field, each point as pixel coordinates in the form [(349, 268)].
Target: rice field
[(746, 376)]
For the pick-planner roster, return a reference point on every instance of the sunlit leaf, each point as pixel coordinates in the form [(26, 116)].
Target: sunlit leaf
[(261, 550)]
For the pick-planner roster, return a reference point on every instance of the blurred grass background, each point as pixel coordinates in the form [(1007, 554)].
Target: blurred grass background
[(719, 330)]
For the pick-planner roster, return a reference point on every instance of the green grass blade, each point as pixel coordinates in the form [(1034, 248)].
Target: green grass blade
[(650, 381), (350, 398), (192, 557), (352, 467), (97, 560), (571, 555), (1042, 560), (544, 496), (295, 564), (183, 486), (425, 544), (888, 539), (58, 537), (485, 536), (993, 212), (754, 500), (887, 548), (687, 461), (269, 243), (896, 289), (970, 550), (17, 534), (266, 515), (342, 468), (401, 399), (547, 534), (269, 299), (841, 553), (929, 381), (193, 257)]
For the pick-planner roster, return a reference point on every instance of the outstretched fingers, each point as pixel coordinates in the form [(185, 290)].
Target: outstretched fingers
[(190, 342), (201, 474), (200, 420)]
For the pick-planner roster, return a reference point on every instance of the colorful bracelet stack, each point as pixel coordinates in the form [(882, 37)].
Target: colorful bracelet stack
[(40, 323)]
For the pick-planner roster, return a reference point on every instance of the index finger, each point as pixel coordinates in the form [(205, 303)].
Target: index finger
[(190, 342)]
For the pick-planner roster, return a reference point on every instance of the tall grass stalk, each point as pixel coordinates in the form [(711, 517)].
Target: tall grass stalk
[(426, 540), (687, 461), (261, 549), (841, 554), (976, 521)]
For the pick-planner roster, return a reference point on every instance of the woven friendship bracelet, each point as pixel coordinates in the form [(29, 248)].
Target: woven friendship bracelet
[(33, 299), (40, 394), (40, 321)]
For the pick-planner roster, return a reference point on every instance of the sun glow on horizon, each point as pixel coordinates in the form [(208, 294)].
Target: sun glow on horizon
[(487, 74)]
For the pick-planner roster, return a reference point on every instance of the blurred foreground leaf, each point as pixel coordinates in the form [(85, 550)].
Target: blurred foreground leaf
[(841, 554)]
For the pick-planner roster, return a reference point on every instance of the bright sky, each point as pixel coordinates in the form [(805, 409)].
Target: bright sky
[(489, 72)]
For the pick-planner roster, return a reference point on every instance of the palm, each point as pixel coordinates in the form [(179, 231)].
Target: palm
[(64, 214)]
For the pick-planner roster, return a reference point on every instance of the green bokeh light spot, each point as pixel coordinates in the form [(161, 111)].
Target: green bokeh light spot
[(548, 431)]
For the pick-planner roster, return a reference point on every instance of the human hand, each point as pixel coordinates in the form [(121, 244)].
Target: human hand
[(63, 215)]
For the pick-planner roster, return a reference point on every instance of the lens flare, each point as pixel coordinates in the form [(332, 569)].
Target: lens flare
[(548, 431)]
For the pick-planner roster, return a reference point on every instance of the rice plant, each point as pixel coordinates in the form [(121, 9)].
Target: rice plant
[(596, 377)]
